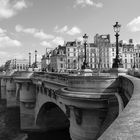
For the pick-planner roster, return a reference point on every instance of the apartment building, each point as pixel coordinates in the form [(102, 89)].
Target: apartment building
[(58, 59), (103, 45)]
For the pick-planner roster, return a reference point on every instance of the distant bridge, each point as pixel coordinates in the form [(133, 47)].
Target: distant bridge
[(92, 107)]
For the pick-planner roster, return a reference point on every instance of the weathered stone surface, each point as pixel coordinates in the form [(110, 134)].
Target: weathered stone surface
[(127, 125)]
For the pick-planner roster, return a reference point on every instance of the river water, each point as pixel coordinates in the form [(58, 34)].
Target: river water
[(10, 127), (50, 135)]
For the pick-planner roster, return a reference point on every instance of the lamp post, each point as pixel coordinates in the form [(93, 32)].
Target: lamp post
[(116, 62), (35, 66), (84, 66), (134, 64), (29, 60), (15, 64)]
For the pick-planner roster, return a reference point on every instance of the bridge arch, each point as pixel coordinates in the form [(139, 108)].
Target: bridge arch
[(51, 117)]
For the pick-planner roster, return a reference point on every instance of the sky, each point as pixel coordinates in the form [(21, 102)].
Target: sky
[(29, 25)]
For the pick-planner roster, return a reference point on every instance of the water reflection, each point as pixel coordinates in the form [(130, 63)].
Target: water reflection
[(50, 135)]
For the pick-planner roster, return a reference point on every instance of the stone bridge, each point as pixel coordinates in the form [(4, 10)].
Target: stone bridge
[(91, 107)]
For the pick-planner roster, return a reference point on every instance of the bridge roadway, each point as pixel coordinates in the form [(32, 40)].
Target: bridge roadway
[(92, 107)]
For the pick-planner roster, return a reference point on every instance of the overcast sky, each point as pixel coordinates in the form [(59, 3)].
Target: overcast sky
[(28, 25)]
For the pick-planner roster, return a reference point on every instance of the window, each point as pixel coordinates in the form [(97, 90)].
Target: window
[(68, 60), (125, 60), (74, 49), (108, 65), (91, 60), (125, 66), (24, 66), (125, 55), (91, 65), (61, 52), (68, 66), (68, 49), (112, 49), (134, 55), (61, 65), (131, 60), (61, 59)]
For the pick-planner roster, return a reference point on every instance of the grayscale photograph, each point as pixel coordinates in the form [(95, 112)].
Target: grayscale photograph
[(69, 69)]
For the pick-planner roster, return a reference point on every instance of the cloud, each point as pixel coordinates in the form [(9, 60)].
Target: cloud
[(35, 32), (20, 28), (79, 39), (46, 44), (62, 30), (19, 5), (2, 32), (74, 30), (2, 57), (134, 25), (42, 35), (84, 3), (53, 43), (9, 9), (6, 41), (58, 41)]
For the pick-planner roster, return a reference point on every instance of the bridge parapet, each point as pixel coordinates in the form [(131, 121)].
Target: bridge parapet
[(126, 125), (51, 77), (95, 84), (90, 99)]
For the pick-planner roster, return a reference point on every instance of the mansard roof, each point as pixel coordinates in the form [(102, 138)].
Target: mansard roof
[(71, 43)]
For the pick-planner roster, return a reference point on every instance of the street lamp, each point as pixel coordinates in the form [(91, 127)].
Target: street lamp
[(15, 64), (35, 66), (29, 60), (84, 66), (116, 62), (134, 64)]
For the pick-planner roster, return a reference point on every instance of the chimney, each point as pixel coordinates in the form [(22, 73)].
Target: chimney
[(130, 41)]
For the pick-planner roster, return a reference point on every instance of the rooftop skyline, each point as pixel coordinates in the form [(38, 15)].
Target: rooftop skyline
[(29, 25)]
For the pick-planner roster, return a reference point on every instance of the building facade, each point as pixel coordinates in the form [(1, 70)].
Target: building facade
[(45, 61), (103, 45), (73, 59), (127, 53), (93, 56), (58, 59), (18, 64), (100, 55)]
